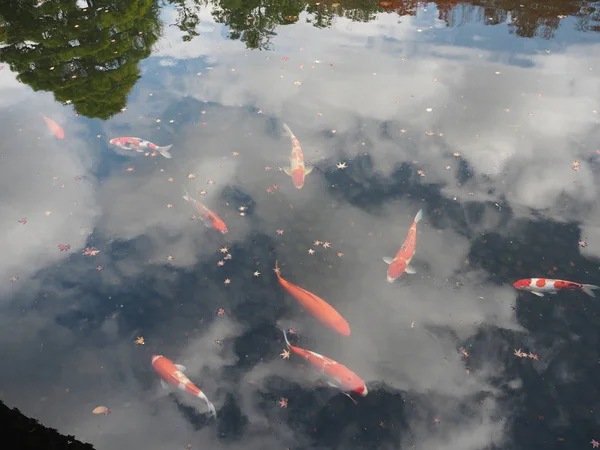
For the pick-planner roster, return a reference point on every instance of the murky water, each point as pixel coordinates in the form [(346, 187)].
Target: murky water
[(483, 115)]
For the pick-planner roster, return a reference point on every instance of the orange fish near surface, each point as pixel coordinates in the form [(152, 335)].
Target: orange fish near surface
[(209, 218), (297, 169), (401, 262), (55, 128), (541, 286), (173, 374), (319, 308), (339, 375)]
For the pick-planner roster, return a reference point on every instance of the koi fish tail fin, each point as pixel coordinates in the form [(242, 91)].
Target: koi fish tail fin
[(286, 339), (287, 130), (209, 404), (165, 151), (186, 195), (587, 288), (211, 408), (277, 269), (419, 216)]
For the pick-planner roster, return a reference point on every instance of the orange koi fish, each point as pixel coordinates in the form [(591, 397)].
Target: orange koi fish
[(541, 286), (55, 128), (209, 218), (173, 374), (339, 375), (401, 262), (297, 170), (139, 145), (319, 308)]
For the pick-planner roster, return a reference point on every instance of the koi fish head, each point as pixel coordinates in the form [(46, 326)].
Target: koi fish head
[(298, 177), (156, 357), (118, 142), (361, 390), (395, 269), (522, 285), (220, 225), (355, 384)]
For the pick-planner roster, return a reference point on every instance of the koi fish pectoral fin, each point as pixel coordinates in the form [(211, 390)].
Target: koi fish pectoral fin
[(164, 384), (410, 269), (388, 260), (288, 171), (308, 169), (180, 367), (539, 294)]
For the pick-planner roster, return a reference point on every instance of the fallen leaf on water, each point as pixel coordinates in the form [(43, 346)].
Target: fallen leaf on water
[(283, 402), (101, 410), (139, 340)]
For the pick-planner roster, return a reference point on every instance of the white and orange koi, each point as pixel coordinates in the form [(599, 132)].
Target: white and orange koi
[(173, 374), (401, 262), (208, 217), (139, 145), (338, 375), (541, 286), (297, 169)]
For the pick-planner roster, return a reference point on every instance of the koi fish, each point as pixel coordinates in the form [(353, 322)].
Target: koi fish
[(297, 170), (319, 308), (401, 262), (209, 218), (173, 374), (55, 128), (131, 143), (541, 286), (339, 376)]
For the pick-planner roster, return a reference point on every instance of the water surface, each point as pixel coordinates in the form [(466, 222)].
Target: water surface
[(483, 115)]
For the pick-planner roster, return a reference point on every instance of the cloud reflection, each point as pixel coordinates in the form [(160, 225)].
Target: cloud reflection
[(471, 121)]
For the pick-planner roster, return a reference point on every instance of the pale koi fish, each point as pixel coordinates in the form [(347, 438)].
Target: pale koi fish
[(541, 286), (401, 262), (297, 169), (139, 145), (173, 374), (338, 375), (209, 218), (55, 128)]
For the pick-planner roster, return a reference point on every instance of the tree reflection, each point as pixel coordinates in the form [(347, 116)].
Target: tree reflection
[(254, 22), (85, 51)]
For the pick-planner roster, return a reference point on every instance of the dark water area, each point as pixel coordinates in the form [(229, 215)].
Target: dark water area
[(484, 115)]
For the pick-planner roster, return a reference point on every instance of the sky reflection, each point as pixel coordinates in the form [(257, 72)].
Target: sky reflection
[(493, 135)]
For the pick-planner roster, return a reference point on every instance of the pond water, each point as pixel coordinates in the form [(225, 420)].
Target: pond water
[(483, 115)]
